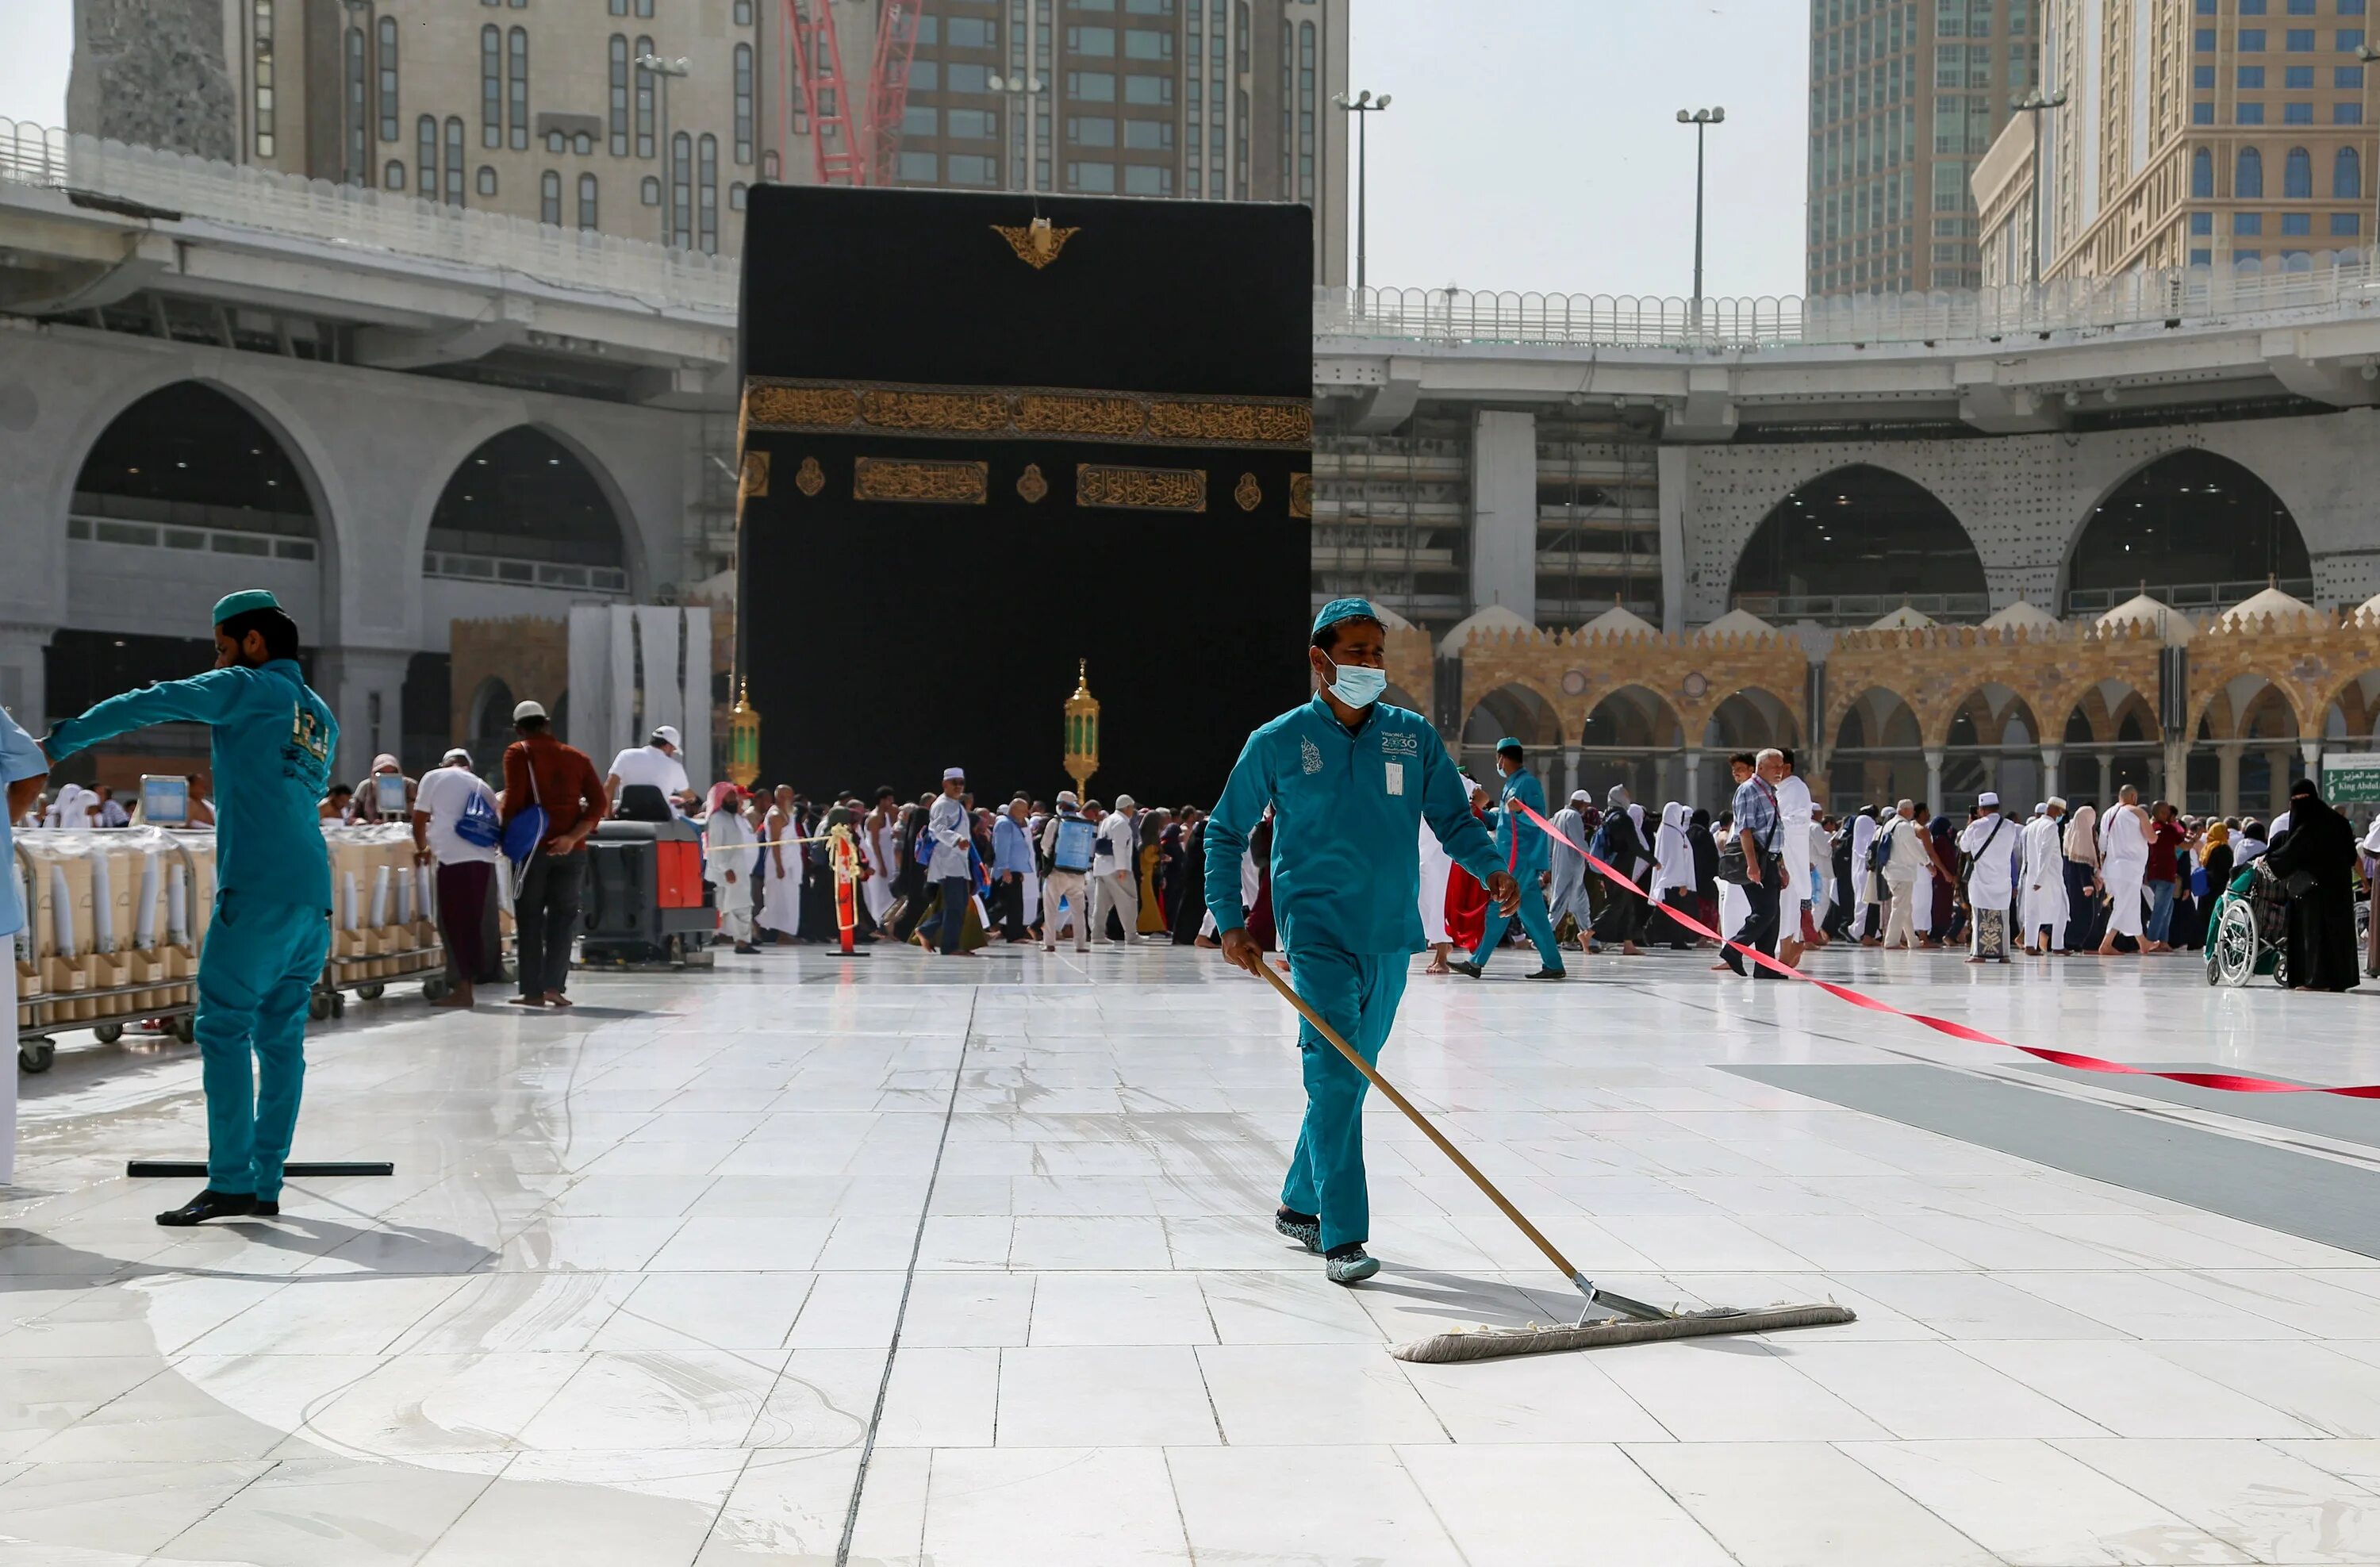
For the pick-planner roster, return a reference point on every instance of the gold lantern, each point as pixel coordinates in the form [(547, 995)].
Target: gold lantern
[(1082, 731), (742, 739)]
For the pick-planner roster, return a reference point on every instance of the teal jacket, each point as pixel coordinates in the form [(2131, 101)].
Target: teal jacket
[(1346, 831), (1521, 843), (273, 743)]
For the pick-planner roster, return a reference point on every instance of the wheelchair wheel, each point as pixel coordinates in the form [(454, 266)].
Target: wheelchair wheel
[(2231, 946)]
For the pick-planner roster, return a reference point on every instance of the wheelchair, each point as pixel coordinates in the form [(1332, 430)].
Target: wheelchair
[(2248, 932)]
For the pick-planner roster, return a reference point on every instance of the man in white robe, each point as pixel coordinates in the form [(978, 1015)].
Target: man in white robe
[(880, 840), (1990, 844), (1794, 808), (781, 863), (1909, 873), (1821, 861), (1866, 892), (1567, 870), (2042, 897), (728, 861), (2124, 860)]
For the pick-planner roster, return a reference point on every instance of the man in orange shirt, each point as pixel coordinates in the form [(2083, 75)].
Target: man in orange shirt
[(540, 770)]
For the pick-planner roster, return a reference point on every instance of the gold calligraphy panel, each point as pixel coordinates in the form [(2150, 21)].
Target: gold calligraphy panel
[(899, 479), (1027, 412), (933, 413), (1233, 424), (1141, 488), (1301, 495)]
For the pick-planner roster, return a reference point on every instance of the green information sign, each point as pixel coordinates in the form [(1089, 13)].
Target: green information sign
[(2351, 778)]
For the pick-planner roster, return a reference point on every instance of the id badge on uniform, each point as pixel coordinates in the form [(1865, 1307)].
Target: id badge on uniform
[(1396, 774)]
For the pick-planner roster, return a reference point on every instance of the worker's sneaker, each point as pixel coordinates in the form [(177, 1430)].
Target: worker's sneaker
[(1302, 1228), (1550, 974), (1350, 1265), (1465, 967), (212, 1204)]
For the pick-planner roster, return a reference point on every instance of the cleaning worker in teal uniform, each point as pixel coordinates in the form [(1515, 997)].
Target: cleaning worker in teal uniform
[(1525, 852), (273, 743), (1350, 780)]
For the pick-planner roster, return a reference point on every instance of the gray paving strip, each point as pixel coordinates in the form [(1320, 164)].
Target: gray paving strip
[(2296, 1193), (2324, 1115)]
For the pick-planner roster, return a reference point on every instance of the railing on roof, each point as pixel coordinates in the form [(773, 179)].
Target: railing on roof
[(2344, 282), (660, 279)]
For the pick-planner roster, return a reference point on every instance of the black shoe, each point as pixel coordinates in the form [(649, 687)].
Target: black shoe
[(212, 1204), (748, 949), (1465, 967), (1550, 974), (266, 1209)]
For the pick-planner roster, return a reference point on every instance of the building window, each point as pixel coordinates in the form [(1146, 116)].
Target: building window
[(388, 128), (2248, 114), (425, 153), (487, 179), (2252, 8), (744, 102), (2350, 38), (1090, 41), (971, 168), (263, 74), (548, 198), (2251, 41), (492, 86), (743, 13), (2296, 113), (920, 168), (2297, 175), (454, 160), (358, 111), (649, 190), (2300, 40), (921, 119), (924, 76), (2297, 222), (2251, 77), (392, 174), (2201, 114), (2347, 77), (1306, 110), (1097, 177), (520, 89), (2202, 78), (1143, 43), (1091, 87), (2346, 226), (706, 205), (2298, 79), (2346, 113), (1148, 136), (971, 125), (1151, 89), (2202, 41), (2201, 258), (971, 33), (1090, 130), (2201, 222), (644, 7), (2248, 178), (1147, 179), (2247, 223), (644, 102), (2346, 176), (968, 79), (586, 204), (737, 194), (619, 92), (681, 193)]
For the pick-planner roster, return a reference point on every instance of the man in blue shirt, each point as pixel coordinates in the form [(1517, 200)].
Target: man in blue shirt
[(1012, 862), (23, 773), (1522, 846), (273, 743), (1349, 779), (1757, 826)]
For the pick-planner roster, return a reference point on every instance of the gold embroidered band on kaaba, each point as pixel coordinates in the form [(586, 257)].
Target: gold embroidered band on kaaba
[(897, 478), (1141, 488), (1146, 419)]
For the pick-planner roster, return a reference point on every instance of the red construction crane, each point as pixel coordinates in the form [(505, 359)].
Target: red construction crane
[(851, 145)]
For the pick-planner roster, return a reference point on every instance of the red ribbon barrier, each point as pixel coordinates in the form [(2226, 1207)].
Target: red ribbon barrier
[(2230, 1083)]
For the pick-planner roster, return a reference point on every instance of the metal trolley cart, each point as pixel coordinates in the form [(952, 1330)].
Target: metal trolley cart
[(105, 986)]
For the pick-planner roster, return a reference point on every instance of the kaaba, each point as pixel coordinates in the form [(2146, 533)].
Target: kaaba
[(991, 440)]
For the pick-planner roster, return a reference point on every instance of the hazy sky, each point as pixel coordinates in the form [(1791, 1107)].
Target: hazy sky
[(1532, 143)]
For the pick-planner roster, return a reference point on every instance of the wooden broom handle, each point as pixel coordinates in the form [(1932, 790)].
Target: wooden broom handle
[(1416, 1117)]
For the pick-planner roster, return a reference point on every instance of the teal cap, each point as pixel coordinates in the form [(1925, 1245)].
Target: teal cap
[(1507, 744), (1338, 610), (247, 599)]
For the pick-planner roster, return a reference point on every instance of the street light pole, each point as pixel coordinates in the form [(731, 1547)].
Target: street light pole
[(666, 69), (1363, 106), (2370, 54), (1702, 120), (2034, 103), (1025, 89)]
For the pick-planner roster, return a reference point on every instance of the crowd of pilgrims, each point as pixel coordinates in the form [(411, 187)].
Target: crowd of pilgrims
[(2065, 893)]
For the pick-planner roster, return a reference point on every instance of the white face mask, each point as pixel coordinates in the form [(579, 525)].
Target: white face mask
[(1356, 685)]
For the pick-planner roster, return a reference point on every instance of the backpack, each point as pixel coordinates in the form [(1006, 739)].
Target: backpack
[(478, 826), (1880, 850), (1073, 848)]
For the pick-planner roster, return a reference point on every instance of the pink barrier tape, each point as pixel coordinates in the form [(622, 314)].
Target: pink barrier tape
[(2230, 1083)]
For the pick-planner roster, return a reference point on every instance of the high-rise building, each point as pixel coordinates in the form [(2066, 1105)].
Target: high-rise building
[(1904, 99), (2222, 133), (1216, 99), (537, 111)]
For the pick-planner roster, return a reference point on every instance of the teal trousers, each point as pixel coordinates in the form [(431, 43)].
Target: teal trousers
[(1534, 920), (255, 976), (1358, 996)]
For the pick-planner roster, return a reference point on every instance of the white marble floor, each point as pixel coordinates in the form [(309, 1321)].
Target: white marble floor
[(630, 1295)]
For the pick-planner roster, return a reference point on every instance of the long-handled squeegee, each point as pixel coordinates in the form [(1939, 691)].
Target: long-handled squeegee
[(1634, 1323)]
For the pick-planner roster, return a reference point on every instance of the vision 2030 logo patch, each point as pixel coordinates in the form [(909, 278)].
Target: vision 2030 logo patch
[(1400, 743), (1311, 755)]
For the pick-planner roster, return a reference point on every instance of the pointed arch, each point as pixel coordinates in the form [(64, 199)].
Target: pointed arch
[(1854, 543), (2192, 527)]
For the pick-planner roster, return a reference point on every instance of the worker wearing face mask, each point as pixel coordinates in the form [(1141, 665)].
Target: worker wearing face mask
[(1349, 779), (273, 739)]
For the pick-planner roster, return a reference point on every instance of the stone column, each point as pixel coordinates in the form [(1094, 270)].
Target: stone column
[(1933, 780), (364, 687), (2227, 777), (2282, 764), (1504, 511), (1569, 775), (1693, 779), (2177, 775), (2050, 757), (2106, 795), (24, 662), (2313, 751)]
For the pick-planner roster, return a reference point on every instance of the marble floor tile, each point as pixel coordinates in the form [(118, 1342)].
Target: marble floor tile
[(1802, 1504), (1329, 1504), (1104, 1397)]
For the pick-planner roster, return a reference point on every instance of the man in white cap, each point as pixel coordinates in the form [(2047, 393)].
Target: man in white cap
[(655, 764), (1568, 889), (950, 870), (1117, 883), (558, 781), (1066, 852), (1990, 846), (2042, 898)]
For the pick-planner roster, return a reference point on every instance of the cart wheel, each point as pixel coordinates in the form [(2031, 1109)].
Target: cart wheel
[(318, 1006), (184, 1028), (434, 988), (338, 1004), (371, 992), (108, 1032), (35, 1055), (512, 971)]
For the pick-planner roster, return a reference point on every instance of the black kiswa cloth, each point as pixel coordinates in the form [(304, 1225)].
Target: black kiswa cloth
[(981, 473)]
